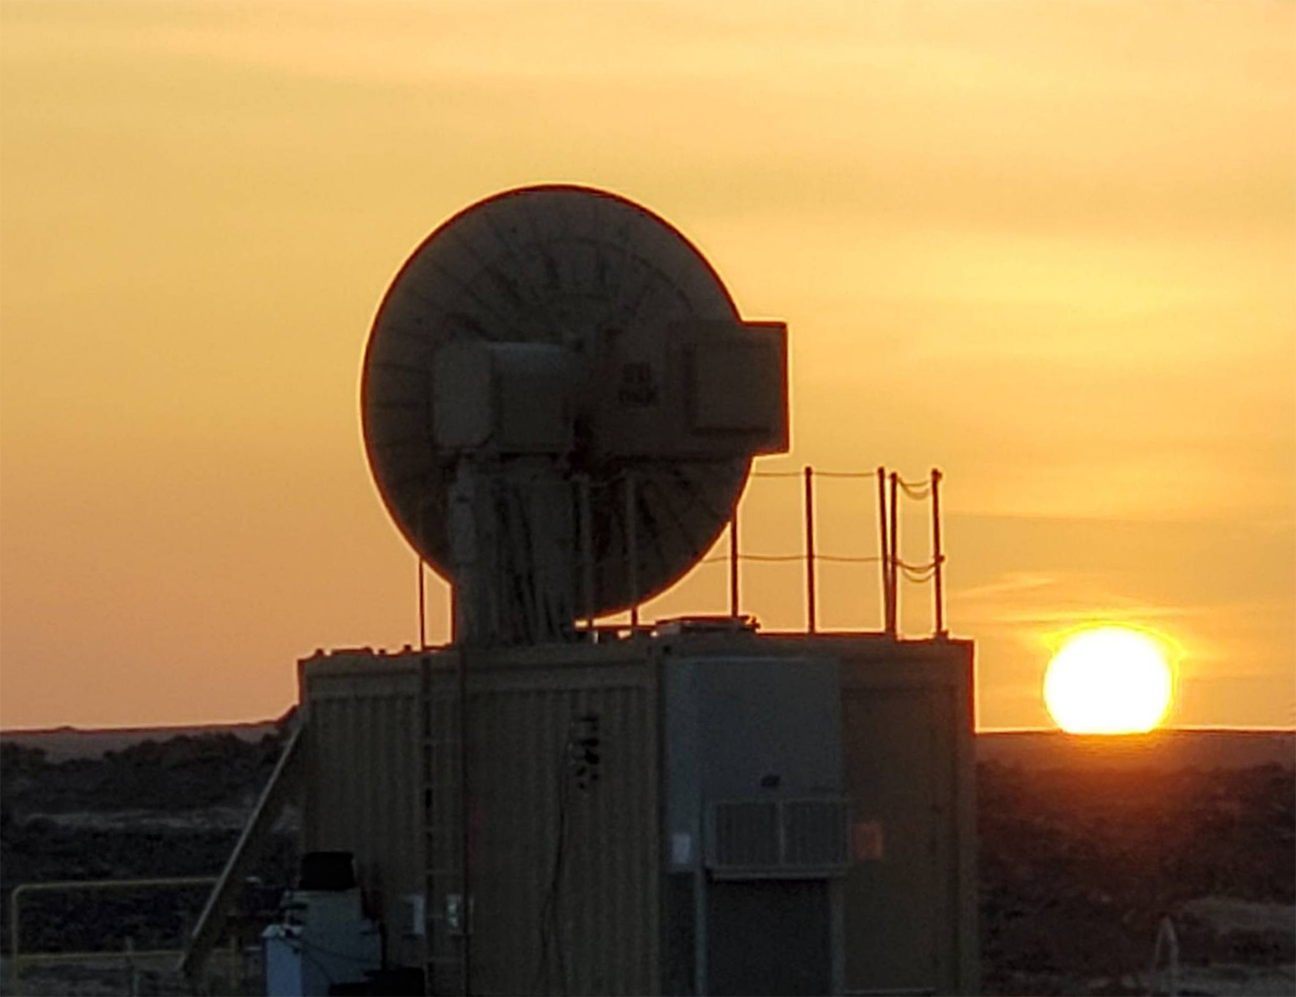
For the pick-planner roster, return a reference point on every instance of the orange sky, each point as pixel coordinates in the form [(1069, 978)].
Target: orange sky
[(1048, 247)]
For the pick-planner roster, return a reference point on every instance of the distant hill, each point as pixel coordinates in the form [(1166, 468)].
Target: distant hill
[(1037, 749), (1084, 844), (1162, 749), (63, 743)]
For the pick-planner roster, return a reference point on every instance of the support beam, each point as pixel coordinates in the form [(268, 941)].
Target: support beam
[(255, 832)]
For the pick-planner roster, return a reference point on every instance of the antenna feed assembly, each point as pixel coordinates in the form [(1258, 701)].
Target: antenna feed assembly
[(560, 407)]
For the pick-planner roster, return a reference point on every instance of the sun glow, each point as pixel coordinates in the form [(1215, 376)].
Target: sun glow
[(1109, 680)]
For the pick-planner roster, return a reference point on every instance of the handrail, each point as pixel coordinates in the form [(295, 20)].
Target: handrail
[(15, 911), (892, 565), (267, 808)]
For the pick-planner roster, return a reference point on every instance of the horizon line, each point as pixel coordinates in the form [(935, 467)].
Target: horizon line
[(1198, 728), (270, 721)]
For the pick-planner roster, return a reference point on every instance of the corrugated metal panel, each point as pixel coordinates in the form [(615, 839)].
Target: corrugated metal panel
[(443, 830), (565, 878), (362, 789), (814, 834), (744, 835), (910, 892), (589, 907)]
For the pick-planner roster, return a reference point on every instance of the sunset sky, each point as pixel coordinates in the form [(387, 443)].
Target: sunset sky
[(1048, 247)]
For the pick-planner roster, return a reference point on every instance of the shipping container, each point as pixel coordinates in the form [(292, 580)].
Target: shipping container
[(678, 811)]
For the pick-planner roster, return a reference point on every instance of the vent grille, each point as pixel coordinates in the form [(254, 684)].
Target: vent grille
[(799, 838), (814, 832)]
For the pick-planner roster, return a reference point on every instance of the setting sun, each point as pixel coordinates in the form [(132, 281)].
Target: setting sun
[(1109, 680)]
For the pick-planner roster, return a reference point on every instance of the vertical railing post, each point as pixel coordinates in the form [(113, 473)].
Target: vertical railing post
[(893, 621), (422, 598), (587, 549), (811, 621), (938, 558), (733, 563), (884, 555), (632, 549), (422, 593)]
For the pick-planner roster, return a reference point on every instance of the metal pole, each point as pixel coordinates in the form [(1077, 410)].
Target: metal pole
[(235, 965), (938, 559), (1167, 939), (132, 971), (422, 607), (893, 622), (428, 807), (14, 937), (884, 556), (422, 594), (632, 550), (465, 831), (733, 563), (810, 550), (587, 548)]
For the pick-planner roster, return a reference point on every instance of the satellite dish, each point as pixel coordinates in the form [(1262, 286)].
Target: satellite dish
[(540, 350)]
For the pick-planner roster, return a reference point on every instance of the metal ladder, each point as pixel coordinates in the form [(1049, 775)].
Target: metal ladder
[(445, 913)]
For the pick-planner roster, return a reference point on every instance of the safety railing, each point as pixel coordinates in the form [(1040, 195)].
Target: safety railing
[(891, 488), (130, 957)]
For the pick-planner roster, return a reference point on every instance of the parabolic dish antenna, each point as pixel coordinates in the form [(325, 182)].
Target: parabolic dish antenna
[(551, 342)]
